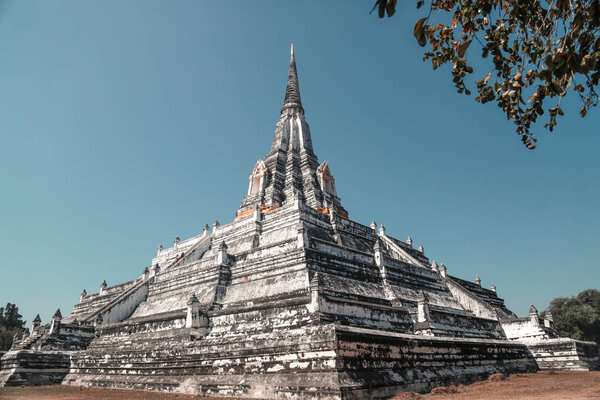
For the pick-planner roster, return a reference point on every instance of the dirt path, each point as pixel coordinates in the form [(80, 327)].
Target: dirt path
[(560, 385), (64, 392), (563, 385)]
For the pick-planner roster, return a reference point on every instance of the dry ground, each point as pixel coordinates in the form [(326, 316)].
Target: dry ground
[(563, 385), (559, 385), (64, 392)]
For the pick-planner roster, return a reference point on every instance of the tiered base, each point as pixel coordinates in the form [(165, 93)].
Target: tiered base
[(314, 362), (33, 367), (565, 354)]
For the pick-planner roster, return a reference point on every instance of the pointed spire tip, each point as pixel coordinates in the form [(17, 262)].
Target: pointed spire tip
[(292, 91)]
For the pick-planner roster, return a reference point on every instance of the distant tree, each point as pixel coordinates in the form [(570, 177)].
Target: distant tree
[(11, 323), (577, 317), (539, 51)]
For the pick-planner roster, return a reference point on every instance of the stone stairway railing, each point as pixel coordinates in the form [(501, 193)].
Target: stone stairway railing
[(401, 252), (27, 343), (470, 301), (205, 241), (123, 305), (138, 289)]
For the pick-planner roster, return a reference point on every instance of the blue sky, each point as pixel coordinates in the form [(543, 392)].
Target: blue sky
[(126, 123)]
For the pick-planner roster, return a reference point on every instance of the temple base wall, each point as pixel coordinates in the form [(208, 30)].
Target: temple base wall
[(379, 364), (565, 354), (33, 367), (313, 362)]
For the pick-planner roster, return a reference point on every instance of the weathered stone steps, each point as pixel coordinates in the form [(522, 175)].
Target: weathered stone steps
[(203, 362), (378, 364), (31, 367)]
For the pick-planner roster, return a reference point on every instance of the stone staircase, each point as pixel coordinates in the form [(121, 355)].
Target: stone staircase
[(29, 342), (485, 295), (172, 361), (92, 303)]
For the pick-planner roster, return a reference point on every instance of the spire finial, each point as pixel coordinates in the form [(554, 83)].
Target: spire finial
[(292, 91)]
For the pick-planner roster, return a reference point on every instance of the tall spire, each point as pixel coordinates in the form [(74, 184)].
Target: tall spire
[(291, 170), (292, 91)]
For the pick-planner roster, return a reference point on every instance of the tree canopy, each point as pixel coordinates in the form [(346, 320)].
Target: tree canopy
[(11, 323), (539, 51), (577, 317)]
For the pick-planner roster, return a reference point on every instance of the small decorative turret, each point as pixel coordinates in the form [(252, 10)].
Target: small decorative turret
[(378, 252), (37, 321), (549, 320), (222, 253), (533, 310), (373, 225), (434, 266), (422, 308), (196, 318), (477, 280), (159, 249), (409, 241), (216, 226), (382, 230), (192, 299), (25, 334), (314, 305), (145, 273), (16, 340), (206, 230), (443, 270), (176, 242), (493, 288), (103, 286), (533, 315), (421, 249), (83, 295), (55, 325), (155, 269), (193, 306)]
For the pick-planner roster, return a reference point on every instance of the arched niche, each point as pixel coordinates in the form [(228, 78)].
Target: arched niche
[(258, 178), (326, 180)]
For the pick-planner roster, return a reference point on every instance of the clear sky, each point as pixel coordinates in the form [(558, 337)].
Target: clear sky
[(126, 123)]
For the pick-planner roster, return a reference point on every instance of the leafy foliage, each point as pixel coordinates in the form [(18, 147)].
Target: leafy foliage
[(539, 50), (577, 317), (11, 323)]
